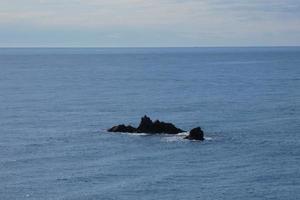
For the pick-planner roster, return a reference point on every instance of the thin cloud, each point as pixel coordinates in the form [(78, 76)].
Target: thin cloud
[(178, 21)]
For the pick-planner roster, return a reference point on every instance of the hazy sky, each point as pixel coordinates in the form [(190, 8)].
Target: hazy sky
[(109, 23)]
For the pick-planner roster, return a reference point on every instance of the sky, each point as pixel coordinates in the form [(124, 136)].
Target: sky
[(149, 23)]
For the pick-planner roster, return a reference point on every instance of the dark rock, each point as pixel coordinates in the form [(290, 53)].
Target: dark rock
[(123, 129), (195, 134), (148, 126)]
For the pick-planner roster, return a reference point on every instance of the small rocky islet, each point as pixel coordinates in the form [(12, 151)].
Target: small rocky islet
[(158, 127)]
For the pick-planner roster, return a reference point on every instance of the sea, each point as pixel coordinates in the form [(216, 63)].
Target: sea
[(57, 103)]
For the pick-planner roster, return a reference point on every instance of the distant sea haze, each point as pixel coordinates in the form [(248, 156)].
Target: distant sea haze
[(57, 103)]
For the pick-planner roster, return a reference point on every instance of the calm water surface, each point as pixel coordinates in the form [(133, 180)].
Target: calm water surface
[(55, 105)]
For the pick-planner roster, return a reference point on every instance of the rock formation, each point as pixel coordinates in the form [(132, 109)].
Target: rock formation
[(157, 127), (148, 126), (195, 134)]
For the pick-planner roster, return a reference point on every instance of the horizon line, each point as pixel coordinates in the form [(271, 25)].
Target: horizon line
[(136, 47)]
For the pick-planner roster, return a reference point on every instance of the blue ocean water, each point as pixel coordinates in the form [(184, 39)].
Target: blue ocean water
[(55, 105)]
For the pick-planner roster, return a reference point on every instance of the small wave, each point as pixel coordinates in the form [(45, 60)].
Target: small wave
[(135, 134), (175, 138), (130, 134), (183, 134), (166, 137), (179, 138), (144, 134), (208, 138)]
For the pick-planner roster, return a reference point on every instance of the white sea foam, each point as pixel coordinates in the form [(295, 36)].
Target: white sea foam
[(183, 134), (208, 138), (130, 134), (166, 137), (136, 134), (175, 138)]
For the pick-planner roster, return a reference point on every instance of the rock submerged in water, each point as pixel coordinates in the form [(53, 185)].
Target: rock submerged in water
[(195, 134), (148, 126), (157, 127)]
